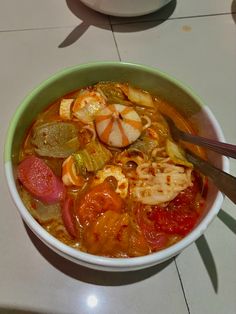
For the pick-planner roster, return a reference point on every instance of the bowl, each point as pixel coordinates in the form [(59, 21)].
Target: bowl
[(150, 79), (124, 8)]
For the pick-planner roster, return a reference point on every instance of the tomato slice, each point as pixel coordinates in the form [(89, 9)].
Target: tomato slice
[(174, 221), (96, 201), (156, 240), (179, 217)]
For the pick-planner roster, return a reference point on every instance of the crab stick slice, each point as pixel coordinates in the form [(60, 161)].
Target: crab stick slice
[(118, 125), (69, 175), (65, 109)]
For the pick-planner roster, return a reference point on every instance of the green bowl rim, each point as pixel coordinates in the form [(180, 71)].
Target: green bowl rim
[(68, 70)]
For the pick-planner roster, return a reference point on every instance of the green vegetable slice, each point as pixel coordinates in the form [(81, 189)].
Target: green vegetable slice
[(145, 144), (92, 158), (176, 154), (55, 139), (41, 212), (113, 92)]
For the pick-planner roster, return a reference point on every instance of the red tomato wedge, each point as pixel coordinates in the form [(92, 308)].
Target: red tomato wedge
[(40, 181), (97, 201), (174, 221), (156, 240), (68, 217), (179, 217)]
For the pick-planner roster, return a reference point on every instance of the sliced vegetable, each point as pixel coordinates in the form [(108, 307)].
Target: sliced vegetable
[(40, 181), (97, 201), (140, 97), (145, 144), (92, 158), (55, 139), (87, 105), (118, 125), (41, 212), (113, 92), (65, 109), (176, 154), (69, 173)]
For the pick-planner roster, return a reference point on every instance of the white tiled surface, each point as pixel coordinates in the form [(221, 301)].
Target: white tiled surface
[(196, 43), (26, 14), (178, 9)]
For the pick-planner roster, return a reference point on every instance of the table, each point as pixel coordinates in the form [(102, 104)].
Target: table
[(192, 40)]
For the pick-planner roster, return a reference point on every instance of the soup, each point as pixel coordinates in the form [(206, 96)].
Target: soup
[(99, 170)]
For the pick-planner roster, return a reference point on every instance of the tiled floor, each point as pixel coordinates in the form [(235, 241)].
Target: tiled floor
[(192, 40)]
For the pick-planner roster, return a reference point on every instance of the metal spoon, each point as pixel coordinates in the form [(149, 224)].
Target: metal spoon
[(219, 147), (222, 180)]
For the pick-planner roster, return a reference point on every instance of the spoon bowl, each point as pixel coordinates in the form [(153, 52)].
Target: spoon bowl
[(217, 146)]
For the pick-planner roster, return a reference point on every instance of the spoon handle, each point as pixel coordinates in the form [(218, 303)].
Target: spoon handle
[(219, 147), (222, 180)]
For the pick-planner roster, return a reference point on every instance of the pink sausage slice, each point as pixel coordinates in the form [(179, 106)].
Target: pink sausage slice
[(68, 218), (40, 181)]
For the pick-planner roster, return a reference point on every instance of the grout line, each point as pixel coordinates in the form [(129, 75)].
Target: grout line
[(182, 286), (170, 19), (115, 39), (51, 27), (35, 29), (116, 23)]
